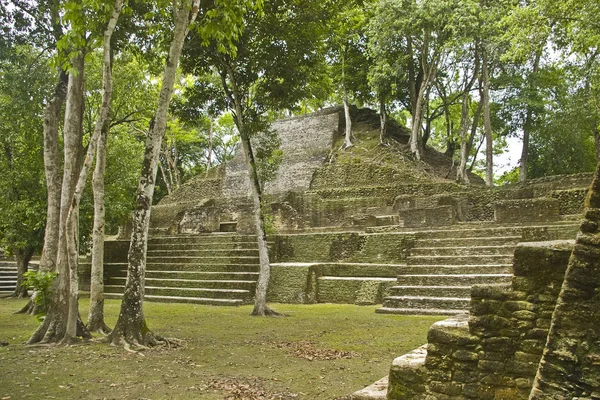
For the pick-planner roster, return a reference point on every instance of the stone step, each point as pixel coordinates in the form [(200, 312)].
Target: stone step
[(432, 291), (463, 251), (211, 253), (222, 246), (192, 283), (176, 299), (460, 260), (179, 259), (387, 220), (202, 267), (7, 288), (9, 282), (352, 290), (425, 302), (487, 229), (203, 275), (456, 269), (413, 311), (208, 293), (466, 242), (452, 280), (224, 238), (361, 269)]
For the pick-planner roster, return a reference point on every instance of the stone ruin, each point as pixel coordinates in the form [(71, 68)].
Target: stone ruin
[(375, 231)]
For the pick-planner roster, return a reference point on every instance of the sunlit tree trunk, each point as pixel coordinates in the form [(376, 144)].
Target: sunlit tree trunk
[(131, 327), (528, 125), (487, 121), (383, 134), (348, 121), (54, 327), (98, 143)]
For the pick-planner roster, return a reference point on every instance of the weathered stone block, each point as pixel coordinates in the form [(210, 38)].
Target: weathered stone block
[(464, 355), (292, 283), (435, 216), (512, 211), (408, 376), (447, 388)]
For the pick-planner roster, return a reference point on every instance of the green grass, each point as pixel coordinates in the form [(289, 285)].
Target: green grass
[(223, 347)]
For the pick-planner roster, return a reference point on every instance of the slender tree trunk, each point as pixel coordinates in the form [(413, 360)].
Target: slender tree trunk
[(22, 256), (131, 325), (528, 125), (461, 173), (466, 142), (52, 167), (54, 327), (596, 131), (383, 133), (168, 183), (569, 367), (210, 144), (260, 298), (487, 121), (416, 144), (99, 140), (348, 134)]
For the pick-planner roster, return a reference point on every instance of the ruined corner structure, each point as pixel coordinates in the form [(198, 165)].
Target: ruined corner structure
[(312, 192), (494, 352)]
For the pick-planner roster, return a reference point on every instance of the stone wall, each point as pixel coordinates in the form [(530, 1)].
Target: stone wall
[(343, 247), (494, 353)]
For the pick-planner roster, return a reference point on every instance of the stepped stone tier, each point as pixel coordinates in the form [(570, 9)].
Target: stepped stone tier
[(494, 352), (364, 226), (8, 276)]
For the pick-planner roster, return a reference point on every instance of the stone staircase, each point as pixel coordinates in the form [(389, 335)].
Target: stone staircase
[(215, 269), (444, 264), (8, 276)]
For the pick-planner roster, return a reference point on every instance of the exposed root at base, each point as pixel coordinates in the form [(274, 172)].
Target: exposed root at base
[(136, 346), (267, 312)]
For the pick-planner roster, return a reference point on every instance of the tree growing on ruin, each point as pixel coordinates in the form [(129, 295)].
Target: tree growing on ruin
[(255, 77)]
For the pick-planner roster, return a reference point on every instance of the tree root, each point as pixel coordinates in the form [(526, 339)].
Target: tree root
[(266, 311), (136, 343), (30, 309), (100, 328)]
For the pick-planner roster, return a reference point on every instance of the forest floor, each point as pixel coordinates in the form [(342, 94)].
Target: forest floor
[(322, 351)]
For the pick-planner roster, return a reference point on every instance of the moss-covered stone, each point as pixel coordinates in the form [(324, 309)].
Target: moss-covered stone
[(293, 283)]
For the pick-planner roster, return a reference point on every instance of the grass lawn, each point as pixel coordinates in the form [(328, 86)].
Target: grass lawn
[(322, 351)]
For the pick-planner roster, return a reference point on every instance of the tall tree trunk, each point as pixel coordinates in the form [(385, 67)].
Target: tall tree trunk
[(52, 167), (569, 367), (596, 131), (99, 140), (54, 327), (260, 298), (95, 321), (528, 125), (22, 256), (131, 325), (52, 164), (210, 144), (383, 133), (487, 121), (348, 120), (416, 143), (466, 142)]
